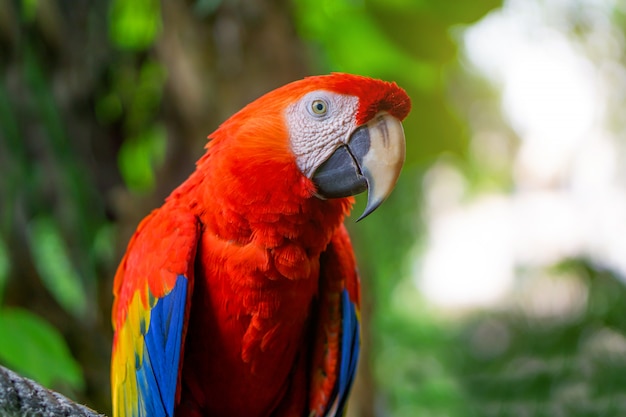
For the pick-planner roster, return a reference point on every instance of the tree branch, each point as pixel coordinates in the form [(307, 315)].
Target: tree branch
[(22, 397)]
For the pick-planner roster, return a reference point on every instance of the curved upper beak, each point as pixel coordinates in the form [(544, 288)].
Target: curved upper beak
[(371, 160)]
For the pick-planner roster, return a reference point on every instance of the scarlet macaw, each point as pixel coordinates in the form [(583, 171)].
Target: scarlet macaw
[(239, 296)]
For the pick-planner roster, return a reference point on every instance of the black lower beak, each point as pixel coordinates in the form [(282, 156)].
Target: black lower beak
[(371, 161), (341, 176)]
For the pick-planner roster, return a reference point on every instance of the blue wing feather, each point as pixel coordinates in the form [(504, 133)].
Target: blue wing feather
[(350, 347), (157, 374)]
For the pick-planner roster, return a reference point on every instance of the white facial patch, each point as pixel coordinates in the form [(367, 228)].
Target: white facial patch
[(318, 124)]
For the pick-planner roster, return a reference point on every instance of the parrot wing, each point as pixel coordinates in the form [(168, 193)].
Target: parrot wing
[(336, 348), (152, 289)]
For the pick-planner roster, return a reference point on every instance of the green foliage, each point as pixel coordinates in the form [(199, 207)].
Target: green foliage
[(4, 267), (512, 362), (52, 260), (79, 205), (50, 212), (134, 24), (134, 101), (573, 363), (142, 94), (413, 361), (29, 9), (35, 349), (139, 156)]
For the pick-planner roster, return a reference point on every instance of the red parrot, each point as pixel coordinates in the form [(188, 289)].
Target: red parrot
[(239, 296)]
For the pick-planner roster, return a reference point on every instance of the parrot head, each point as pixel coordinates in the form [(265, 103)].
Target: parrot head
[(343, 131), (347, 136)]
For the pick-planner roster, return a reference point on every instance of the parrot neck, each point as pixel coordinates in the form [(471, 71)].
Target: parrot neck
[(268, 204)]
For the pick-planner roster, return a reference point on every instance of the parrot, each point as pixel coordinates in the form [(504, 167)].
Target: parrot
[(240, 295)]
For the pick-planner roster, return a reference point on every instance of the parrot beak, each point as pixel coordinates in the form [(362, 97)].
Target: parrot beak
[(371, 160)]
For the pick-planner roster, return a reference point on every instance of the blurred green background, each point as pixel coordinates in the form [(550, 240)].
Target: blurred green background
[(491, 277)]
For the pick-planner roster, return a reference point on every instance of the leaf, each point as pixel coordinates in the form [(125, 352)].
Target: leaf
[(134, 24), (37, 350), (29, 10), (54, 266), (139, 156)]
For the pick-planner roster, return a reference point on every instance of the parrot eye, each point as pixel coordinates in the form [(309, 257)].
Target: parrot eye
[(319, 107)]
